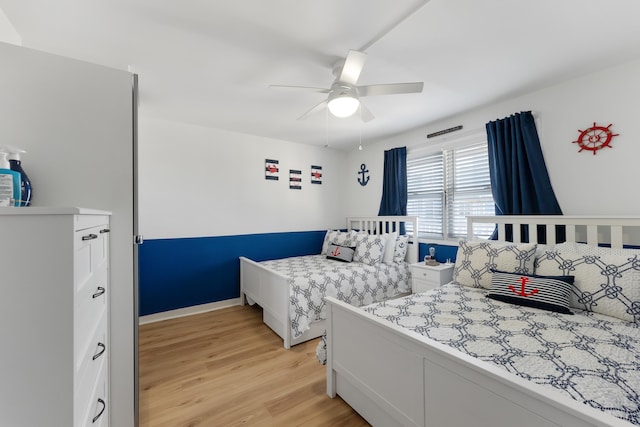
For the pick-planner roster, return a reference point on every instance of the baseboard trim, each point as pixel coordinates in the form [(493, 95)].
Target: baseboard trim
[(187, 311)]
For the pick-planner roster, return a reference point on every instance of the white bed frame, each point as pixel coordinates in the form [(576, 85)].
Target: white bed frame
[(270, 289), (425, 383)]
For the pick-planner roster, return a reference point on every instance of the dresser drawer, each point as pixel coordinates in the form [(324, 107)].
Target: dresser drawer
[(95, 412), (90, 304), (90, 351), (91, 253)]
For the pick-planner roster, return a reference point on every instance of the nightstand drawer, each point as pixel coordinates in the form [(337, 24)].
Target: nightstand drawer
[(424, 274), (418, 285), (425, 277)]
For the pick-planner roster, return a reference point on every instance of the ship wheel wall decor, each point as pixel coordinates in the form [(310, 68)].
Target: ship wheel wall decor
[(595, 138)]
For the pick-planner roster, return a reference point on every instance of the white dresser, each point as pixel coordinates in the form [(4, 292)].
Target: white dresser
[(54, 317)]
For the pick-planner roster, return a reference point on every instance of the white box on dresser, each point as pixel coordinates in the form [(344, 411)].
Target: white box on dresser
[(54, 317), (425, 277)]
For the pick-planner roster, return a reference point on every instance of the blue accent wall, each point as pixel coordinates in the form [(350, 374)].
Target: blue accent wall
[(178, 273), (443, 252)]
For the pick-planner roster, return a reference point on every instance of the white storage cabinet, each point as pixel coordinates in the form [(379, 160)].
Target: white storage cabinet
[(54, 317)]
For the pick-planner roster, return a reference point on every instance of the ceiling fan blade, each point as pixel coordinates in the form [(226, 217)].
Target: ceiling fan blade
[(313, 110), (390, 89), (365, 114), (352, 67), (312, 89)]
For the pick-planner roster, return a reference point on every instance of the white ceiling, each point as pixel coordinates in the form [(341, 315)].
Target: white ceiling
[(210, 62)]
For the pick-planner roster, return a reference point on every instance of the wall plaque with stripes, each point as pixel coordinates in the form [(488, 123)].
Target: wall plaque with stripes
[(295, 179), (316, 174)]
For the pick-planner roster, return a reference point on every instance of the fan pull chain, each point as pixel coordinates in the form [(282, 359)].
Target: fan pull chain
[(361, 126), (326, 128)]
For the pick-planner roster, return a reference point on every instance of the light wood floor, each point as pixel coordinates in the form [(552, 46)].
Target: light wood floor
[(226, 368)]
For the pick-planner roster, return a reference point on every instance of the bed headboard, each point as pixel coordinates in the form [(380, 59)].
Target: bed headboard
[(384, 224), (616, 231)]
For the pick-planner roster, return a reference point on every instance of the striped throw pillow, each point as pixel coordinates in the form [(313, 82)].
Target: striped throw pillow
[(550, 293)]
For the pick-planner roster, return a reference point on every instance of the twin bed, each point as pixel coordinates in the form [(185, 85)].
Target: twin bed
[(291, 291), (454, 357)]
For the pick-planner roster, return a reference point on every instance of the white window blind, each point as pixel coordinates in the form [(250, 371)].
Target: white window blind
[(445, 187), (425, 193)]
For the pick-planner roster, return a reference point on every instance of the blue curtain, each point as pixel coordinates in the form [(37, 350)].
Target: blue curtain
[(394, 184), (519, 179)]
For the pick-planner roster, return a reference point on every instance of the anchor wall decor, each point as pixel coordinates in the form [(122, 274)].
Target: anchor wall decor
[(365, 179)]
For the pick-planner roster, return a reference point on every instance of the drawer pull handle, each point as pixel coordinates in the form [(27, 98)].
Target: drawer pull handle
[(104, 406), (104, 230), (103, 348), (90, 236), (99, 292)]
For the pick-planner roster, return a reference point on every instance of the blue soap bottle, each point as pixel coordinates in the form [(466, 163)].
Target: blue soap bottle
[(10, 183), (16, 165)]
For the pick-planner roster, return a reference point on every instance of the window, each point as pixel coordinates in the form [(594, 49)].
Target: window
[(445, 187)]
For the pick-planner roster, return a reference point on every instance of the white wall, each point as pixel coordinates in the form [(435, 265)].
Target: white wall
[(601, 184), (196, 181)]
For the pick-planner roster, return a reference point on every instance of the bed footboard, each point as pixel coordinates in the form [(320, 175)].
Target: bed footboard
[(394, 377), (270, 290)]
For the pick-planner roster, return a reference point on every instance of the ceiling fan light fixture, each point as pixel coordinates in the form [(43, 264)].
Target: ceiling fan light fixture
[(343, 102)]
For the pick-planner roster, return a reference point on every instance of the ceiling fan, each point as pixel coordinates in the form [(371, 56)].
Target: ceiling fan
[(344, 95)]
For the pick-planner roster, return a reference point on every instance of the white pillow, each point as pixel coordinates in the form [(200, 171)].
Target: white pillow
[(475, 261), (369, 248), (389, 247), (607, 281)]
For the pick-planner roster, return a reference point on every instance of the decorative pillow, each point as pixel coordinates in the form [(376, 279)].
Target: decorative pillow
[(389, 247), (475, 261), (342, 238), (400, 251), (607, 284), (369, 248), (340, 253), (544, 292)]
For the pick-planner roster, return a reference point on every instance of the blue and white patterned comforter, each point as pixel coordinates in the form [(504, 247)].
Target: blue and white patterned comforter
[(590, 357), (313, 277)]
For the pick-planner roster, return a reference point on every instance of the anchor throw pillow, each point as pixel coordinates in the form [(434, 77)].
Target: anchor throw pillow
[(400, 251), (337, 237), (340, 253), (544, 292)]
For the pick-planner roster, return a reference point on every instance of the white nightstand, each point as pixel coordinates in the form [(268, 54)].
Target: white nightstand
[(425, 277)]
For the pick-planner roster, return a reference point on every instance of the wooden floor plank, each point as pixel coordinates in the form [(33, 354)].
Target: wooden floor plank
[(226, 368)]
